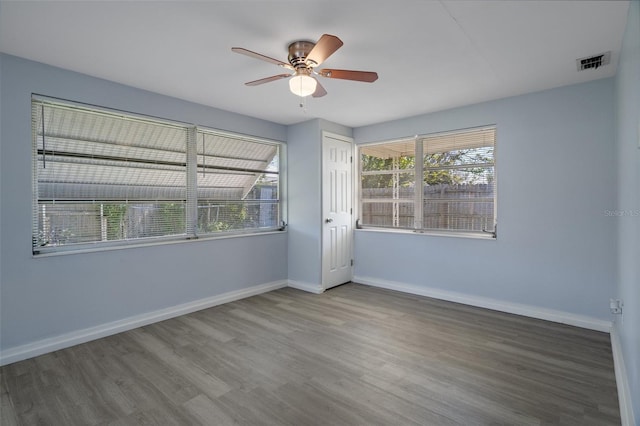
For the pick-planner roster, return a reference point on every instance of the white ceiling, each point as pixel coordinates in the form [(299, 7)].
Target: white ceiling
[(430, 55)]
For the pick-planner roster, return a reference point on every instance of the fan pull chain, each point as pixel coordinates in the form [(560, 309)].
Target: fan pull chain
[(303, 104)]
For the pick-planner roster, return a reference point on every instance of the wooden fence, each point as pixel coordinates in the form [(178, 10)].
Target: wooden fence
[(453, 207)]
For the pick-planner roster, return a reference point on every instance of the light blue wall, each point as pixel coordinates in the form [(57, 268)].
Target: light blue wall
[(46, 297), (304, 152), (303, 167), (1, 58), (556, 176), (628, 138)]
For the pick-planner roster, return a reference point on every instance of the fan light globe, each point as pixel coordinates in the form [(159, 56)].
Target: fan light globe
[(302, 85)]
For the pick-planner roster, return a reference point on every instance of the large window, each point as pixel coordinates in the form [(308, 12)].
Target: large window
[(107, 178), (436, 183)]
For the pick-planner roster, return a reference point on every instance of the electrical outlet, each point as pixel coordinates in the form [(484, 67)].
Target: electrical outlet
[(615, 306)]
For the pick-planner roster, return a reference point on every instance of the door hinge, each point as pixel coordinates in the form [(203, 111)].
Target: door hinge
[(351, 210), (351, 262), (351, 159)]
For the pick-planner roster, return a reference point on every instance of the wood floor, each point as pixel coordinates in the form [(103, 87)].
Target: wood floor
[(355, 355)]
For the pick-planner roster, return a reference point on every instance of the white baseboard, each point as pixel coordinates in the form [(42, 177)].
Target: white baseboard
[(311, 288), (30, 350), (622, 381), (494, 304)]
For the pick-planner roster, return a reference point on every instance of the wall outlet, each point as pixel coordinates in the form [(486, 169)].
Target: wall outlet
[(615, 306)]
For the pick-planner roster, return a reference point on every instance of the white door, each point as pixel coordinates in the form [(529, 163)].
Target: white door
[(337, 219)]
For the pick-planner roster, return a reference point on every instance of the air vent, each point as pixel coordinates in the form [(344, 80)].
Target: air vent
[(593, 62)]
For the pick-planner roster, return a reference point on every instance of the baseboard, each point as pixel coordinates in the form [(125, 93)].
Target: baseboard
[(311, 288), (66, 340), (494, 304), (622, 381)]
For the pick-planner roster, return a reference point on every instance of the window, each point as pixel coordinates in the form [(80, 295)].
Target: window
[(450, 188), (109, 178), (238, 187)]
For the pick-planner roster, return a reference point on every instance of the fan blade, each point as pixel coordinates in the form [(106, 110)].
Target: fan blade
[(267, 80), (365, 76), (255, 55), (324, 48), (320, 92)]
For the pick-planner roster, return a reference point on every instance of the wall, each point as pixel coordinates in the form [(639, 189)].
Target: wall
[(43, 298), (304, 148), (627, 91), (1, 58), (303, 151), (556, 249)]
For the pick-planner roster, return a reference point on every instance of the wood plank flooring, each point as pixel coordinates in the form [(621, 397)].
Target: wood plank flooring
[(355, 355)]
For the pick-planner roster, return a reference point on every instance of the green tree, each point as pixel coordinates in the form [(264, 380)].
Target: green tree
[(372, 163), (228, 216), (436, 168), (436, 171)]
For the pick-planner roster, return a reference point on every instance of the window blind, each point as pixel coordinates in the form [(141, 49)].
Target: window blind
[(238, 183), (102, 177), (459, 181), (107, 178)]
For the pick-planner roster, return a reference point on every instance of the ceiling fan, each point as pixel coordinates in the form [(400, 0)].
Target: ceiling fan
[(304, 56)]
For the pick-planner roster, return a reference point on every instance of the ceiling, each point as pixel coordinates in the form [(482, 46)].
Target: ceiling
[(430, 55)]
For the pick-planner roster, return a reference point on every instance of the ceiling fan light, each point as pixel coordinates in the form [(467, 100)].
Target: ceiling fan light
[(302, 85)]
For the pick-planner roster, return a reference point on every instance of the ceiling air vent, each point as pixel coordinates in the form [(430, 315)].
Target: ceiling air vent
[(593, 62)]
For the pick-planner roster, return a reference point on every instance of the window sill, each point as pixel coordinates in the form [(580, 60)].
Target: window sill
[(164, 242), (465, 235)]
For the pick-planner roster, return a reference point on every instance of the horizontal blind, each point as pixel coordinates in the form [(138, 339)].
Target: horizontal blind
[(467, 139), (103, 176), (459, 181), (238, 183)]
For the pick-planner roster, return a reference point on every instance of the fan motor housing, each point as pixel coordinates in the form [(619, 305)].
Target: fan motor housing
[(298, 51)]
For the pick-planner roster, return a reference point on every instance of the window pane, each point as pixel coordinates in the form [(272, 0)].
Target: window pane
[(387, 184), (459, 184), (238, 183), (105, 176)]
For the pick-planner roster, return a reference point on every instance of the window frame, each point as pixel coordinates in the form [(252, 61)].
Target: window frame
[(190, 187), (418, 200)]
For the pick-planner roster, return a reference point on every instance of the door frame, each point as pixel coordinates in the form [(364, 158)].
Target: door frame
[(349, 140)]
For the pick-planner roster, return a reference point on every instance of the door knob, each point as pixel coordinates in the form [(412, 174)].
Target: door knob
[(328, 220)]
